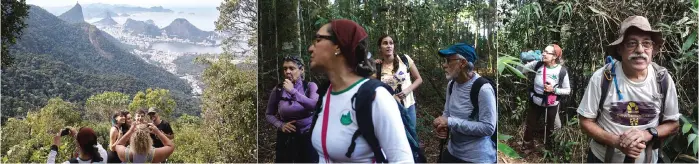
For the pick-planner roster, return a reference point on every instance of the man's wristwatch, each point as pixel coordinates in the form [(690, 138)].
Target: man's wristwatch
[(654, 140)]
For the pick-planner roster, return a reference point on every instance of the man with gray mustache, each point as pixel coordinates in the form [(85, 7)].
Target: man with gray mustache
[(630, 104)]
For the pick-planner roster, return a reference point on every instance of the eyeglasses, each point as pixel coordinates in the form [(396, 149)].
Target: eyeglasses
[(319, 38), (447, 60), (546, 53), (634, 44)]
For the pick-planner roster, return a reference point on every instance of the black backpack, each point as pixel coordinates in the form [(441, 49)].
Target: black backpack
[(475, 89), (362, 106)]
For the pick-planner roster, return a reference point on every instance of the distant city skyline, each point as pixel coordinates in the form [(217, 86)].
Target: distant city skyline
[(140, 3)]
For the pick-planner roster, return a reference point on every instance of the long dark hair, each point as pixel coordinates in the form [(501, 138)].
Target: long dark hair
[(90, 149), (362, 66), (124, 126), (395, 55)]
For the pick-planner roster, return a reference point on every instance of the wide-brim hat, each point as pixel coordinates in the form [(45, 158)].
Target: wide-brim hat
[(640, 23)]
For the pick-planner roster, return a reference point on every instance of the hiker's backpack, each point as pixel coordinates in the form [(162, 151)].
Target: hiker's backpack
[(530, 55), (607, 80), (363, 104), (561, 75), (363, 100), (475, 89)]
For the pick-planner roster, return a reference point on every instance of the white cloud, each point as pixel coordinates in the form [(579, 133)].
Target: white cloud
[(142, 3)]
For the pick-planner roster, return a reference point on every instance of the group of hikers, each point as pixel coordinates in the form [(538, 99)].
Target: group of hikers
[(144, 139), (628, 107), (367, 110)]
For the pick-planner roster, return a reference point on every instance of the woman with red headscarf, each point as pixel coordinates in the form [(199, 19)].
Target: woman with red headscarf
[(550, 83), (340, 51), (90, 151)]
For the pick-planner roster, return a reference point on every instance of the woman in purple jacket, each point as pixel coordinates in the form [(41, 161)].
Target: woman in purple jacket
[(290, 108)]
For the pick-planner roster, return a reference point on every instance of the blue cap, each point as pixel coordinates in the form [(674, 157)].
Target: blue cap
[(465, 50)]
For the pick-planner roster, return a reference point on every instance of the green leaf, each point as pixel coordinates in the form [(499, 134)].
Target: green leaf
[(696, 145), (507, 150), (503, 137), (690, 138), (516, 72), (690, 40), (686, 127)]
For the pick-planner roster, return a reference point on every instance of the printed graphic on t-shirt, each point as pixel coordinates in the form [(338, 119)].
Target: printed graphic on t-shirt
[(633, 113), (550, 76), (346, 117), (399, 76)]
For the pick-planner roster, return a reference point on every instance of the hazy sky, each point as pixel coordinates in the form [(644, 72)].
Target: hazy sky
[(142, 3)]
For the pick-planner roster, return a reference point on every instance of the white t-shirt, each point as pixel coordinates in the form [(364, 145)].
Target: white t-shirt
[(400, 77), (641, 102), (342, 124), (551, 77)]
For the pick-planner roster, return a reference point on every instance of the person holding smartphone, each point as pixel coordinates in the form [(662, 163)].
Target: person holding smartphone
[(90, 151)]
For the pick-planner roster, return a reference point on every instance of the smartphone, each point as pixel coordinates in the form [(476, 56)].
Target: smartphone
[(65, 131)]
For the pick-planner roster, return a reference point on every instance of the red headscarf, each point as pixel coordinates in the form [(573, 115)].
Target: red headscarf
[(557, 50), (348, 34)]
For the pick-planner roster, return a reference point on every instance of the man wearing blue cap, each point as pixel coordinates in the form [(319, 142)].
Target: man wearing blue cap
[(469, 120)]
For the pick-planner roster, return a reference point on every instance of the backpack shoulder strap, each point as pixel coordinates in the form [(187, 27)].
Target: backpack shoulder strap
[(319, 105), (279, 90), (532, 77), (475, 89), (379, 67), (561, 75), (404, 58), (538, 65), (305, 88), (663, 84), (605, 84), (662, 78), (363, 107)]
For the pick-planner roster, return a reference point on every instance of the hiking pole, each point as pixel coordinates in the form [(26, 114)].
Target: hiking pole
[(546, 124)]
